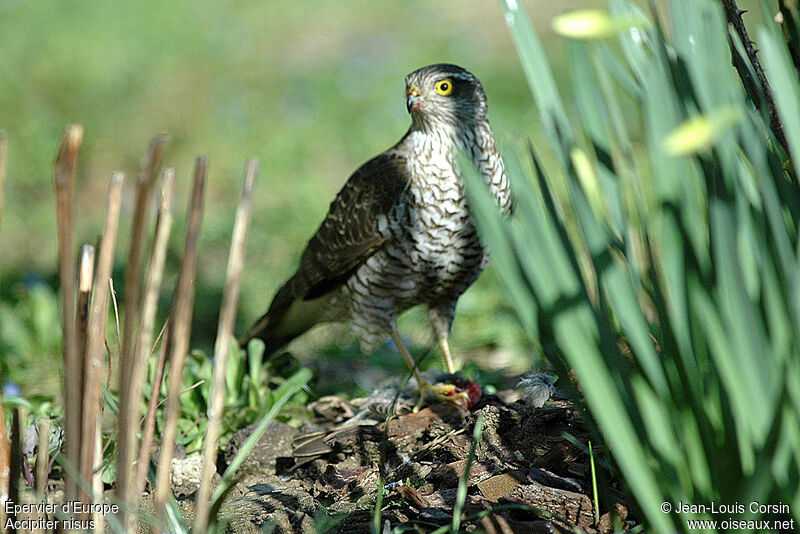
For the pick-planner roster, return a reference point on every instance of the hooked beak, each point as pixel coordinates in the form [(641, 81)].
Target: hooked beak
[(413, 100)]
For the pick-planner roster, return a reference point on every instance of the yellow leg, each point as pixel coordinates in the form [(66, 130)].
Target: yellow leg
[(448, 358), (438, 392), (401, 346), (444, 344), (440, 320)]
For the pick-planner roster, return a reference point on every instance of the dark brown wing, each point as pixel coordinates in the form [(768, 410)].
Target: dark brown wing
[(347, 237), (349, 234)]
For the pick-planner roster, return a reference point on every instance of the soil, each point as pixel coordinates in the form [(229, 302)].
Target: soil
[(530, 473)]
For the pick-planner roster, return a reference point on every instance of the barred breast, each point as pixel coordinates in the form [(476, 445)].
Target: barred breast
[(433, 253)]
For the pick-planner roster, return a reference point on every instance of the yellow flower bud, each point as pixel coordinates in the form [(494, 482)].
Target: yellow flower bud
[(594, 24), (700, 132)]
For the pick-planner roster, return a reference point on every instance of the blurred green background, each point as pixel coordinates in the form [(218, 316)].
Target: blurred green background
[(312, 88)]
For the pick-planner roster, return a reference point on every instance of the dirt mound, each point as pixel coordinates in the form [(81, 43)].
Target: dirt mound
[(526, 471)]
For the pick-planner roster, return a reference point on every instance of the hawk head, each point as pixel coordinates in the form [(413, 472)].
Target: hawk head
[(444, 95)]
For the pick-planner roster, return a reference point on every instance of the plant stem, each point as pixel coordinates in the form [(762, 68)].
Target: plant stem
[(227, 316)]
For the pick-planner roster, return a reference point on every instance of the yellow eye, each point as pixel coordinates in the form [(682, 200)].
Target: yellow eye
[(444, 87)]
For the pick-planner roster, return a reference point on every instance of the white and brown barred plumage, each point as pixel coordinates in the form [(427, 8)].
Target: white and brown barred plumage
[(399, 233)]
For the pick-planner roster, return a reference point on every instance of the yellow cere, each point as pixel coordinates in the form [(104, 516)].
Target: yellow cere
[(444, 87)]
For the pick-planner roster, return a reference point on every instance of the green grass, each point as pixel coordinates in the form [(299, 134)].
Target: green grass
[(250, 391), (30, 339)]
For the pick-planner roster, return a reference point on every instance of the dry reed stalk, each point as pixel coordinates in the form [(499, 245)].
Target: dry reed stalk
[(148, 430), (5, 461), (97, 479), (180, 331), (129, 400), (129, 418), (64, 179), (222, 347), (3, 157), (85, 281), (19, 417), (113, 294), (42, 466), (96, 332), (148, 171)]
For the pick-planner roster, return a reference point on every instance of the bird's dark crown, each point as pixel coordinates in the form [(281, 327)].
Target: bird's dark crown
[(465, 103), (438, 71)]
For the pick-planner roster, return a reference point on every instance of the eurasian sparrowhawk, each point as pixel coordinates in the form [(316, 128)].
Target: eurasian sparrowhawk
[(399, 233)]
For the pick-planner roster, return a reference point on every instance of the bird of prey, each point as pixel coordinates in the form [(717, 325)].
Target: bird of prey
[(399, 233)]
